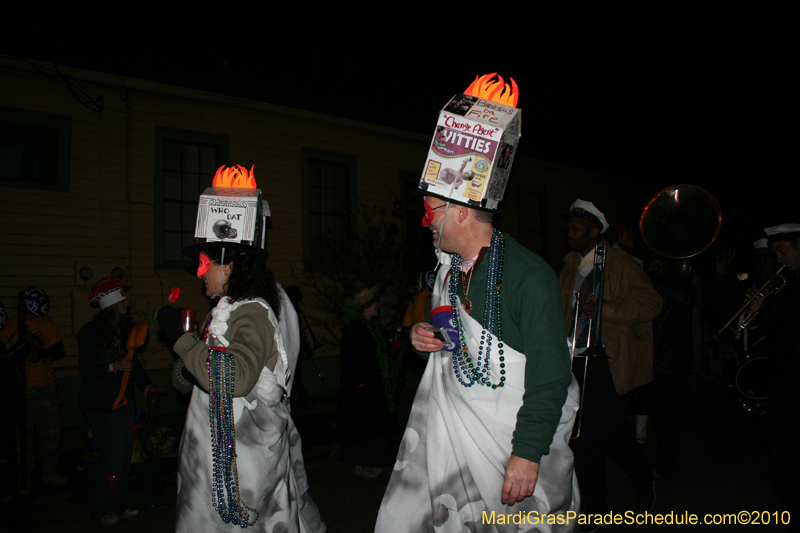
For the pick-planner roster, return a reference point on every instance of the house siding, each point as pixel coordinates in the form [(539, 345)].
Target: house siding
[(106, 218)]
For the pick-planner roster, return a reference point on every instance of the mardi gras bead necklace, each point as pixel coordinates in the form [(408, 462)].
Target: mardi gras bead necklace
[(225, 494), (467, 371)]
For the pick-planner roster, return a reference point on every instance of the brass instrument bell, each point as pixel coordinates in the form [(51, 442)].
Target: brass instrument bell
[(680, 221)]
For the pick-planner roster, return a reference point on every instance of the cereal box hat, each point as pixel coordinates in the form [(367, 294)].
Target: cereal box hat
[(474, 145)]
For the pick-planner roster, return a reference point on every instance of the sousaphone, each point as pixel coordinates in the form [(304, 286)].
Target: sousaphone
[(680, 221)]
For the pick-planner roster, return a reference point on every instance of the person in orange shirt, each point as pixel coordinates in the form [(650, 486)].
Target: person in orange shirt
[(12, 416), (419, 308), (44, 416)]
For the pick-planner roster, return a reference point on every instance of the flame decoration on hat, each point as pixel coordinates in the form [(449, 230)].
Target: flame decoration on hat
[(236, 177), (494, 91)]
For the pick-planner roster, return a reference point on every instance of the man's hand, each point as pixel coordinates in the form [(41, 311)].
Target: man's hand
[(424, 340), (521, 476), (755, 305), (590, 307)]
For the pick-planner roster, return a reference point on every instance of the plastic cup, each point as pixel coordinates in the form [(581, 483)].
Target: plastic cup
[(188, 316)]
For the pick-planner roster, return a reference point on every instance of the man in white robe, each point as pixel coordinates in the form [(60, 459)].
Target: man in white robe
[(486, 447)]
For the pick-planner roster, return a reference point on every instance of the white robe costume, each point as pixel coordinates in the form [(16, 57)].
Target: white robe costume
[(451, 464), (269, 457)]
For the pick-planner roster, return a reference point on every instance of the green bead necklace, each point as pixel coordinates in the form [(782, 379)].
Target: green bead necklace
[(467, 371)]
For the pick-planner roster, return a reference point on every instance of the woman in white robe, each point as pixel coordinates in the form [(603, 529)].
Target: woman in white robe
[(255, 486)]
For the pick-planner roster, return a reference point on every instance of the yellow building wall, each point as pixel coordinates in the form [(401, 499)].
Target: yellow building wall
[(106, 218)]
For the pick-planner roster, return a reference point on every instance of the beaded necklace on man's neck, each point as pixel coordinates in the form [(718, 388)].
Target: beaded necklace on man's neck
[(467, 270), (467, 371)]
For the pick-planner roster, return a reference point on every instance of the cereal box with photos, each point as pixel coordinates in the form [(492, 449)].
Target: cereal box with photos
[(474, 144)]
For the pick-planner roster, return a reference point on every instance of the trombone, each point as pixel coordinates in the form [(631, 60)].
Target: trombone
[(594, 342), (744, 317), (576, 429), (679, 222)]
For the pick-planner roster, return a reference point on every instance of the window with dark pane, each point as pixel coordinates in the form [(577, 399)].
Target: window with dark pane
[(27, 154), (188, 168), (328, 211), (34, 149)]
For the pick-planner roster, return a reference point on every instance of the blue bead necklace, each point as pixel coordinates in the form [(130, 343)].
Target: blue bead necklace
[(467, 371), (225, 494)]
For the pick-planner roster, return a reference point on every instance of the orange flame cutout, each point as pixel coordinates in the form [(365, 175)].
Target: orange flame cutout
[(236, 177), (494, 91)]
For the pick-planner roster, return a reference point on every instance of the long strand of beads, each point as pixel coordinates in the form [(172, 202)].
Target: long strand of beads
[(468, 372), (214, 408), (225, 493)]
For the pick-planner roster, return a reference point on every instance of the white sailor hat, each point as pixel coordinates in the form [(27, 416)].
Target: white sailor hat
[(783, 232), (761, 244), (583, 209)]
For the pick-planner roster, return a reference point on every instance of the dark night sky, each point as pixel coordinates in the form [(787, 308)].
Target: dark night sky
[(653, 95)]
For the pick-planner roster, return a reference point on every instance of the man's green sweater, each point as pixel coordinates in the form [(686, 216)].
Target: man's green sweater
[(533, 324)]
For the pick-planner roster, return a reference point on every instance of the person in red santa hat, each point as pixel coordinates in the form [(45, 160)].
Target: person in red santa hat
[(102, 366)]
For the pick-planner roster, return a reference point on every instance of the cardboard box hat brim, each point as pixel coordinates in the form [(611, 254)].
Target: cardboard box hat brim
[(258, 253)]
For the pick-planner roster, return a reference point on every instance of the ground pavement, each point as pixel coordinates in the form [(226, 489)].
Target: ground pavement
[(725, 470)]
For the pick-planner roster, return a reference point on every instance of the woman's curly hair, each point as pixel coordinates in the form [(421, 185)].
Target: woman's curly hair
[(249, 279)]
